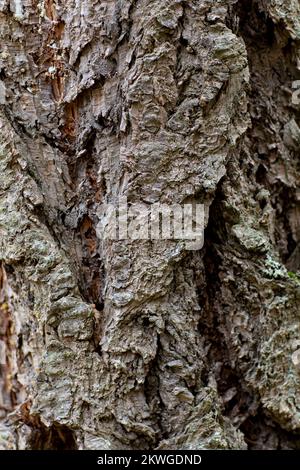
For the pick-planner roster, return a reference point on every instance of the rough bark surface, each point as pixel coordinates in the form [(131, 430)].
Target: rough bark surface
[(144, 344)]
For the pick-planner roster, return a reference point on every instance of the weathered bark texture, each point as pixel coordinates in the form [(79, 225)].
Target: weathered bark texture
[(143, 344)]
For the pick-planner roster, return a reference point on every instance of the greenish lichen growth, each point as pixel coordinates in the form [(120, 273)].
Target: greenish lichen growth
[(273, 269), (294, 276)]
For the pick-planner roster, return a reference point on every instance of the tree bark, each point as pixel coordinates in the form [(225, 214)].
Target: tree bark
[(143, 344)]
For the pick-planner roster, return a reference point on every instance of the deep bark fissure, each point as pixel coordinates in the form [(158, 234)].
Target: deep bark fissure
[(143, 343), (271, 56), (56, 437)]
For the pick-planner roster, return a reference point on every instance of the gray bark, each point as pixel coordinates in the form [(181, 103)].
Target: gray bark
[(144, 344)]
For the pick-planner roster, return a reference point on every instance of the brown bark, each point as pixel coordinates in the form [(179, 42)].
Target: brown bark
[(144, 344)]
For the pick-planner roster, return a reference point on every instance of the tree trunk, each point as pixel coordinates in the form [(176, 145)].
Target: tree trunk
[(143, 344)]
